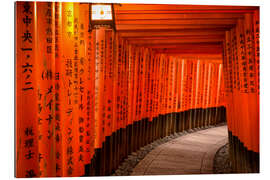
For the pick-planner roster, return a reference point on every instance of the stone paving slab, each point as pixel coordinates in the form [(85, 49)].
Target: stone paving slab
[(189, 154)]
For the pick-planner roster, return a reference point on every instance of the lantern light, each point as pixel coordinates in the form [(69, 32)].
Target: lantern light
[(101, 15), (101, 12)]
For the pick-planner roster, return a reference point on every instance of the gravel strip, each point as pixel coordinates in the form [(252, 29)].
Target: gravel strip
[(222, 164), (127, 166)]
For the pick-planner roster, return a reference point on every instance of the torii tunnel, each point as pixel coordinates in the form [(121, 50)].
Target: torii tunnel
[(89, 95)]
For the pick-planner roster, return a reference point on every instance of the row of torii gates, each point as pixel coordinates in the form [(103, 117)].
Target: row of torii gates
[(87, 95)]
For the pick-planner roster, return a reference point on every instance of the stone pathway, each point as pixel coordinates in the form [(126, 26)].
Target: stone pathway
[(222, 164), (189, 154)]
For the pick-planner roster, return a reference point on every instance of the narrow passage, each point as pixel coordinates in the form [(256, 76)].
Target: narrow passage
[(190, 154)]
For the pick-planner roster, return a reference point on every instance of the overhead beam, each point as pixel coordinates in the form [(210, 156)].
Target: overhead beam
[(185, 45), (158, 16), (205, 32), (170, 27), (173, 7), (174, 41), (183, 37), (165, 22)]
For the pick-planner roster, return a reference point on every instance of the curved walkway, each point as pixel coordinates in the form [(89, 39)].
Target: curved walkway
[(190, 154)]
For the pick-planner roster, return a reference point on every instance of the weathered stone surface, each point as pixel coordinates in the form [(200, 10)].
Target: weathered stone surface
[(222, 164), (167, 150)]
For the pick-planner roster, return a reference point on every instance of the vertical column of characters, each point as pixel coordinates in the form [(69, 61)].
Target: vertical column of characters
[(139, 92), (242, 63), (99, 83), (153, 100), (145, 53), (66, 90), (27, 154), (159, 96), (90, 106), (156, 60), (197, 89), (124, 91), (46, 87), (189, 83), (83, 86), (161, 84), (225, 72), (106, 87), (147, 84), (174, 84), (232, 62), (179, 84), (166, 89), (181, 91), (232, 78), (58, 106), (201, 81), (109, 81), (152, 69), (256, 125), (166, 85), (81, 82), (58, 100), (239, 114), (122, 83), (251, 83), (130, 82), (187, 88), (170, 83), (115, 83), (126, 73), (160, 81), (136, 84), (176, 88), (184, 85), (75, 83), (152, 83), (119, 77), (166, 80), (229, 91), (193, 80), (236, 81)]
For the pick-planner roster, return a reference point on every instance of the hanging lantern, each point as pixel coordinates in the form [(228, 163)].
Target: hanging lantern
[(101, 15)]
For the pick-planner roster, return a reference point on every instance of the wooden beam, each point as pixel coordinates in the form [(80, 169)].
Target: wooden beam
[(165, 22), (174, 41), (185, 45), (131, 34), (170, 27), (173, 7), (220, 37), (191, 51), (158, 16)]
